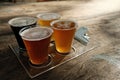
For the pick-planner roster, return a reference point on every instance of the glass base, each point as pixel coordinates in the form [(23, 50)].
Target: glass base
[(46, 64), (56, 59)]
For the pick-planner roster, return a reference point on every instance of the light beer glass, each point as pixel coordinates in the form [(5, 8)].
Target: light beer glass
[(37, 41), (64, 31), (45, 19)]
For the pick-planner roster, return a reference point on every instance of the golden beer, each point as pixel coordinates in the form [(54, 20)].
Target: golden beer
[(46, 18), (64, 31)]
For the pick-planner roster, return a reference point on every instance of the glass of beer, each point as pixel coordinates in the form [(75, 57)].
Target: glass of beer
[(37, 40), (64, 31), (45, 19), (17, 24)]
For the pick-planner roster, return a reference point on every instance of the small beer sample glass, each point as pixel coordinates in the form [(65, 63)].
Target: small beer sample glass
[(64, 31), (17, 24), (37, 40), (45, 19)]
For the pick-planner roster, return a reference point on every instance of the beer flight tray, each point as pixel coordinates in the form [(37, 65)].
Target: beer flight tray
[(55, 59)]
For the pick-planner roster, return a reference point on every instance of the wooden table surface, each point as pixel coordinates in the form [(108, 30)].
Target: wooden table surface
[(102, 19)]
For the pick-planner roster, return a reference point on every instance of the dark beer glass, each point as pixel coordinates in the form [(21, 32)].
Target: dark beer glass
[(17, 24)]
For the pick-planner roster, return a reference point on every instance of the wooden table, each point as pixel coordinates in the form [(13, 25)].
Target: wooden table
[(102, 21)]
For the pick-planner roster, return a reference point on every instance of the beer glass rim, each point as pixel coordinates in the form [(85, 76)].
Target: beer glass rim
[(41, 14), (55, 21), (34, 20), (25, 28)]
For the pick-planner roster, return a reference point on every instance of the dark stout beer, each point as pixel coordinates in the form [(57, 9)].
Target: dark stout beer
[(17, 24)]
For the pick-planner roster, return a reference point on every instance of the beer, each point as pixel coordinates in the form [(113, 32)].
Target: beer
[(17, 24), (64, 31), (37, 42), (46, 18)]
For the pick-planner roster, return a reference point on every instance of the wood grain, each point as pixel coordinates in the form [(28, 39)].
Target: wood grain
[(103, 26)]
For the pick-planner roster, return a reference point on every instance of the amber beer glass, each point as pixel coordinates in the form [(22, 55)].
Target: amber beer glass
[(45, 19), (37, 41), (64, 31)]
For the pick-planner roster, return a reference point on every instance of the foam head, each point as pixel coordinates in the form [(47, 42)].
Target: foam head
[(63, 24), (22, 21), (48, 16), (36, 33)]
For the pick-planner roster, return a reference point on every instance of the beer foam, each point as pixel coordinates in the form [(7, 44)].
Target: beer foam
[(22, 21), (67, 25), (49, 16), (64, 25), (35, 33)]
